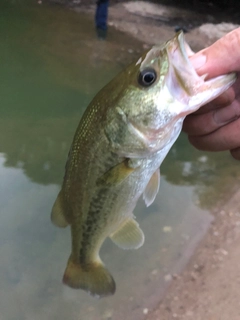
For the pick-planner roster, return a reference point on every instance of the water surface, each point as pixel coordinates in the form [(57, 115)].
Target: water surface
[(51, 66)]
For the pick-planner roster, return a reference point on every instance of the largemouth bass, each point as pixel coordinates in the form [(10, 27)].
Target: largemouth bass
[(120, 143)]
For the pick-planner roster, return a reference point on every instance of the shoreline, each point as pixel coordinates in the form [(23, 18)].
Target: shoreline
[(208, 288), (153, 23)]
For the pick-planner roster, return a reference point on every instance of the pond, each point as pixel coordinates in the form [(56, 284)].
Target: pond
[(52, 64)]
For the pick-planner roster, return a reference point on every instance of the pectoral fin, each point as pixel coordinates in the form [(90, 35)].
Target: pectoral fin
[(128, 235), (116, 175), (57, 215), (152, 188)]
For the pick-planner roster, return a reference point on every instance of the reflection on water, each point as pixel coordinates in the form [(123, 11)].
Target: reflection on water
[(51, 65), (34, 254), (211, 174)]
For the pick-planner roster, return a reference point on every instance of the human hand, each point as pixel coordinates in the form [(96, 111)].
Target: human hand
[(216, 126)]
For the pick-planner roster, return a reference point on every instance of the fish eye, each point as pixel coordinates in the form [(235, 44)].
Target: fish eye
[(147, 77)]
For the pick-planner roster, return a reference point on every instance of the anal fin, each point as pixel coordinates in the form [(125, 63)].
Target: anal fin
[(57, 214), (152, 188), (128, 235)]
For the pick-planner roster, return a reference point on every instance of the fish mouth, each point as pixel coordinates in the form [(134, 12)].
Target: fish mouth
[(183, 82), (180, 67)]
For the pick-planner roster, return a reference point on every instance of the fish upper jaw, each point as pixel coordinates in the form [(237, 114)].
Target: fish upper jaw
[(183, 82)]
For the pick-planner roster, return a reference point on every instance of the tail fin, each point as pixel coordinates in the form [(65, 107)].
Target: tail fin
[(94, 278)]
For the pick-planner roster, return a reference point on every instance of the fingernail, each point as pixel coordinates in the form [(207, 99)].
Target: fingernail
[(227, 114), (198, 60)]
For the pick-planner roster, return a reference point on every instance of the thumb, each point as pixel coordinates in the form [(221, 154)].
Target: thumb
[(221, 57)]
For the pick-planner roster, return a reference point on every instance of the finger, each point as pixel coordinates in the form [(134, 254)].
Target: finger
[(225, 138), (221, 57), (211, 121), (235, 153), (199, 125), (236, 85)]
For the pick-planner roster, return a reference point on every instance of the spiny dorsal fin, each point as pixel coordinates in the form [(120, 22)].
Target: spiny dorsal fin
[(128, 235), (57, 215), (152, 188)]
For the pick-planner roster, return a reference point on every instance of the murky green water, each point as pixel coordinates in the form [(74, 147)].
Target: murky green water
[(51, 66)]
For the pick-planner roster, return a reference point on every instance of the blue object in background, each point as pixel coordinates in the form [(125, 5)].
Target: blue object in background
[(101, 18)]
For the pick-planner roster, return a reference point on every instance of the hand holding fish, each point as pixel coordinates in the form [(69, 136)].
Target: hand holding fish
[(216, 126)]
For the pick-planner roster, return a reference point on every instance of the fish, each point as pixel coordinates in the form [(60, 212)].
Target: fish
[(121, 140)]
